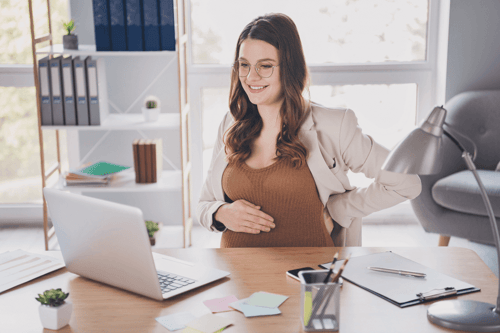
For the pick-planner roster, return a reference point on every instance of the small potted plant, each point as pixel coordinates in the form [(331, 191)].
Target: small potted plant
[(151, 109), (54, 311), (70, 41), (152, 228)]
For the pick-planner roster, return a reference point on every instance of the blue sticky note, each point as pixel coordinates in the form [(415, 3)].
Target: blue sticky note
[(253, 311), (267, 300)]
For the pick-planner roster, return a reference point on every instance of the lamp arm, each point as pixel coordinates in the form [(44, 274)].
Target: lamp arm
[(491, 214), (451, 129), (455, 141)]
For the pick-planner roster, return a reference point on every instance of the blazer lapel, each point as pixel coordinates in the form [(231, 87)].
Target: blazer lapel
[(326, 182)]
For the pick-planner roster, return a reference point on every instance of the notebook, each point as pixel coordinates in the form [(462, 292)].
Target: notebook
[(102, 169), (401, 290)]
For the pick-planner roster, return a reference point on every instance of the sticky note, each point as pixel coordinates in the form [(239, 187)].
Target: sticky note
[(220, 304), (253, 311), (209, 323), (267, 300), (308, 302), (176, 321)]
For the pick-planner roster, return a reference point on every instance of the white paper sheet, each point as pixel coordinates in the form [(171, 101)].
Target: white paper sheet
[(18, 267)]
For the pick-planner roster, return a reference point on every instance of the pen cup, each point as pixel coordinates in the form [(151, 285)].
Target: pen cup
[(320, 302)]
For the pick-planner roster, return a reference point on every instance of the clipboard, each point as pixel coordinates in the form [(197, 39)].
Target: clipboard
[(402, 291)]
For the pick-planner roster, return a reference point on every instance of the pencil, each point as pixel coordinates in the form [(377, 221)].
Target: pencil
[(335, 257), (337, 276)]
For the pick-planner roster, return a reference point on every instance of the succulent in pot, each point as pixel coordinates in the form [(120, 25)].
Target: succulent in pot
[(151, 109), (70, 41), (55, 310), (152, 227)]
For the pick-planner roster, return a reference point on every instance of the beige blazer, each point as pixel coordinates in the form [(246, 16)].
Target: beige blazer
[(335, 144)]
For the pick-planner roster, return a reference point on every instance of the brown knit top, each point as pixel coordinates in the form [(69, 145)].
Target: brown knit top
[(287, 194)]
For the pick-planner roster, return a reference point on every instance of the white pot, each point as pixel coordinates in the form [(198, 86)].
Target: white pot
[(57, 317), (150, 115)]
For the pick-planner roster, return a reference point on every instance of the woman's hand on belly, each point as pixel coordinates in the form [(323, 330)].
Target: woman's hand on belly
[(243, 216)]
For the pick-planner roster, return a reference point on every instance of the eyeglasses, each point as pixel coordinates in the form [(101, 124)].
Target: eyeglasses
[(263, 68)]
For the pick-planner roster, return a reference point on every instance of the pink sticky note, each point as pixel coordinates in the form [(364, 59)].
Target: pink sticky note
[(220, 304)]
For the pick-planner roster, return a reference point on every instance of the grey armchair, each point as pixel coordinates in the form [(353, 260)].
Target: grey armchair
[(450, 203)]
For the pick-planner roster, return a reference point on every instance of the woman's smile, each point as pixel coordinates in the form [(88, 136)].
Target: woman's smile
[(257, 89)]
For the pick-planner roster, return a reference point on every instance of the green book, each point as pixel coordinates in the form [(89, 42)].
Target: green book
[(103, 169)]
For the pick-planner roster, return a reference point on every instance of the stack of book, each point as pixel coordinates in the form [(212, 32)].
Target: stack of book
[(70, 91), (97, 174), (134, 25), (148, 161)]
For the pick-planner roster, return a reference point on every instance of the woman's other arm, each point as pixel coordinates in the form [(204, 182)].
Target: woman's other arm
[(208, 204), (362, 154)]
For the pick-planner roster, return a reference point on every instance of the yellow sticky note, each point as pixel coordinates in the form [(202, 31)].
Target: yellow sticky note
[(308, 303)]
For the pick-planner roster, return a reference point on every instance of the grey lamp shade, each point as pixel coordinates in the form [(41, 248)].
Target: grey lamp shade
[(417, 154)]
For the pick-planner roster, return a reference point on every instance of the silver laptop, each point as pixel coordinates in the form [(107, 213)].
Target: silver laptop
[(108, 242)]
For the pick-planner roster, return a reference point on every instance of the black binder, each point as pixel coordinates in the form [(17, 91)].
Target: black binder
[(45, 95), (80, 80), (56, 91), (68, 91)]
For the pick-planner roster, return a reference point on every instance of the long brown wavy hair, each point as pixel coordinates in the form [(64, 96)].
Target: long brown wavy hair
[(279, 31)]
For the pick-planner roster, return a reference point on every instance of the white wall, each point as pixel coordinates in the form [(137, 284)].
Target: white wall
[(473, 46), (128, 77)]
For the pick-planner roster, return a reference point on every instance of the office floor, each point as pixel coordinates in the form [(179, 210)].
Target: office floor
[(392, 227)]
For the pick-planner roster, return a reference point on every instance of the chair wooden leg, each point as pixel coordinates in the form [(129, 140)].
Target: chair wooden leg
[(444, 240)]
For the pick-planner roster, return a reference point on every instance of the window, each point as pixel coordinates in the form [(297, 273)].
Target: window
[(20, 177), (375, 57), (386, 111), (352, 31), (15, 39)]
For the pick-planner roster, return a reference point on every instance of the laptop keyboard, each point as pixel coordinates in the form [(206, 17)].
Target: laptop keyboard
[(169, 281)]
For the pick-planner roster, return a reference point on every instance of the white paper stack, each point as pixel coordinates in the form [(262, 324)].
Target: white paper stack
[(18, 267)]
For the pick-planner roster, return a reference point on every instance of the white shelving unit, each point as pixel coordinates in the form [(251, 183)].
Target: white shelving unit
[(84, 50), (172, 180), (119, 122), (116, 122)]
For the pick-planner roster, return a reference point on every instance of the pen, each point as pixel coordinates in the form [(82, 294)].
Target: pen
[(397, 271)]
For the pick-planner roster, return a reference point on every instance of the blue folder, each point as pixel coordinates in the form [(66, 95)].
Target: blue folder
[(135, 40), (118, 30), (101, 25), (167, 28), (151, 25)]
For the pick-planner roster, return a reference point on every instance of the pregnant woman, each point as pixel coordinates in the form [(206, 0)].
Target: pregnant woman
[(278, 176)]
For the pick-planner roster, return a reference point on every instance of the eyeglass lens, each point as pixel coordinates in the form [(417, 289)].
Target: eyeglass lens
[(264, 69)]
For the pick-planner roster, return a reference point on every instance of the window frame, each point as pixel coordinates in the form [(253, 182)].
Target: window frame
[(429, 75)]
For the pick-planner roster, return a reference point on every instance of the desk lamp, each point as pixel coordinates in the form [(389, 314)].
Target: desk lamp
[(418, 154)]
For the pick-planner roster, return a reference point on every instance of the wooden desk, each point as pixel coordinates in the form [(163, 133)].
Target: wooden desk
[(100, 308)]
